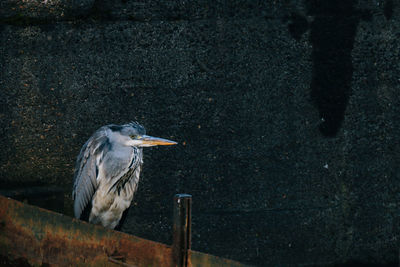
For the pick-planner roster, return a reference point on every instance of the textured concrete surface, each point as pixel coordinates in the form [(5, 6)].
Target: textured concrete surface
[(26, 11), (287, 115)]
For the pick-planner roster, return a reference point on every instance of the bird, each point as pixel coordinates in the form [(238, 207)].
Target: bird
[(107, 172)]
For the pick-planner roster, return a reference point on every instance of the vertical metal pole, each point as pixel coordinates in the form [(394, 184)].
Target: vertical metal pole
[(182, 229)]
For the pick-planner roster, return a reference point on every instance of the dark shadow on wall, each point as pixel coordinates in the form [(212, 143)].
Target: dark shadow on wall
[(332, 34), (332, 37), (388, 9)]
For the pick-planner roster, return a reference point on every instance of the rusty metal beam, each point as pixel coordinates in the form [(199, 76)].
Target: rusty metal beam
[(43, 237), (199, 259), (182, 229)]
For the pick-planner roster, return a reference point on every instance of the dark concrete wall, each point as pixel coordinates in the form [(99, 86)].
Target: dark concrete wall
[(287, 115)]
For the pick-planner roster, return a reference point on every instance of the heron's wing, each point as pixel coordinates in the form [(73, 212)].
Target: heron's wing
[(86, 170)]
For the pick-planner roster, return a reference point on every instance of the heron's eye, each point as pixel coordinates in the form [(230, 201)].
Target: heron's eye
[(134, 136)]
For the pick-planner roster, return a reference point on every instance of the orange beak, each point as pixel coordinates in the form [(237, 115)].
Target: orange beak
[(155, 141)]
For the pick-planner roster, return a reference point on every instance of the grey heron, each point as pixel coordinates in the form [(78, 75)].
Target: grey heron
[(107, 172)]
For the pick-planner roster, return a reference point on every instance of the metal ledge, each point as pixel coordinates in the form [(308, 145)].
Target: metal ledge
[(44, 237)]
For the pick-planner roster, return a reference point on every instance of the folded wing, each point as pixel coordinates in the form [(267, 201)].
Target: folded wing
[(87, 169)]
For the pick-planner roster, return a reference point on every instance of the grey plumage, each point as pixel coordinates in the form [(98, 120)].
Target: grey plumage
[(107, 171)]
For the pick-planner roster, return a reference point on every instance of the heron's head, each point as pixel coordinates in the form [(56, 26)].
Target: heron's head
[(134, 134)]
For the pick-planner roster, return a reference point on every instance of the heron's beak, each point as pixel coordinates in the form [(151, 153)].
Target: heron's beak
[(146, 140)]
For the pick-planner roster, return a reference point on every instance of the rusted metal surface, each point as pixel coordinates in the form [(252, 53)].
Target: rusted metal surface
[(182, 229), (42, 237), (199, 259)]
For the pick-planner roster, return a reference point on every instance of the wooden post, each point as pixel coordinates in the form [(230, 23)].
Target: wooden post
[(182, 229)]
